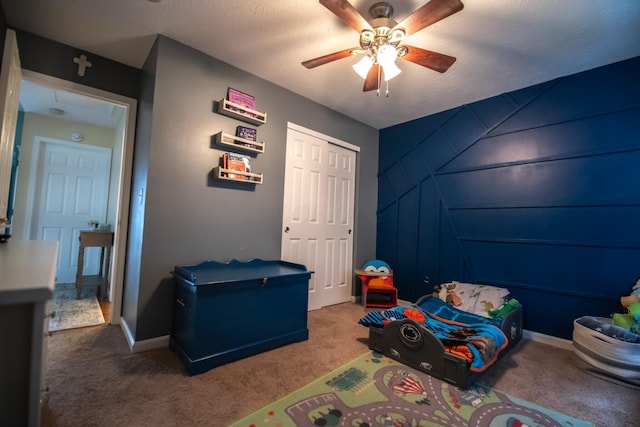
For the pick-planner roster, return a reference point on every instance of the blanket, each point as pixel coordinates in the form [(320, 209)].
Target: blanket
[(475, 338), (441, 309)]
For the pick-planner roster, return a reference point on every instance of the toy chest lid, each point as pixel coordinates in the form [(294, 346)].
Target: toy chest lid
[(213, 272)]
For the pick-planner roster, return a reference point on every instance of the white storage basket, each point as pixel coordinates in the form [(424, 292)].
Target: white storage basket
[(605, 355)]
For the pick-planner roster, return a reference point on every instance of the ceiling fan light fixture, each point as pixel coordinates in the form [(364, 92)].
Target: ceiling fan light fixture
[(381, 38), (367, 38), (387, 55), (363, 66), (396, 36), (390, 71)]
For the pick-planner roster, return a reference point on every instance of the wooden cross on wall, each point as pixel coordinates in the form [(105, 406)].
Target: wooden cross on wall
[(83, 64)]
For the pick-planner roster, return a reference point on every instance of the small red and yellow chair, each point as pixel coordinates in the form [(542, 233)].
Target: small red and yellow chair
[(377, 285)]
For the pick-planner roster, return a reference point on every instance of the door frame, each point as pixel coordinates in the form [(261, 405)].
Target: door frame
[(330, 139), (121, 225), (10, 84), (333, 141)]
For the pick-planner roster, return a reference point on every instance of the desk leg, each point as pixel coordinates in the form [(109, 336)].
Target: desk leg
[(79, 273), (107, 270), (100, 273)]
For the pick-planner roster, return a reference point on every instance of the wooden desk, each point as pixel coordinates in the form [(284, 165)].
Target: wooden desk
[(103, 239)]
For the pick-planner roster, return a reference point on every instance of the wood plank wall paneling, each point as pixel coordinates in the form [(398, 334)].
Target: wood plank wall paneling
[(536, 190)]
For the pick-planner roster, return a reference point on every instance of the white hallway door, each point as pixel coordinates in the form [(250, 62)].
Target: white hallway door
[(72, 186), (318, 213)]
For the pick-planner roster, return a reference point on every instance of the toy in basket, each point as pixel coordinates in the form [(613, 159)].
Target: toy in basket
[(610, 347), (606, 350), (630, 320)]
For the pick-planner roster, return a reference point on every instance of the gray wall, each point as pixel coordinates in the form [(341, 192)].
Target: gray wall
[(185, 216)]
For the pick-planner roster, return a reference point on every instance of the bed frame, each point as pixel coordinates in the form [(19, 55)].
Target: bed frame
[(412, 344)]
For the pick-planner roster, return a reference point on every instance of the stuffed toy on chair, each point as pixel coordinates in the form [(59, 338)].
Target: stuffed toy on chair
[(382, 268)]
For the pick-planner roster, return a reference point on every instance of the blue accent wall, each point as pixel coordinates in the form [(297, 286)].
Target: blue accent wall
[(537, 190)]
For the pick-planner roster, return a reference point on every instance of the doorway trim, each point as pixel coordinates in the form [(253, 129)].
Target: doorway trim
[(332, 140), (121, 226)]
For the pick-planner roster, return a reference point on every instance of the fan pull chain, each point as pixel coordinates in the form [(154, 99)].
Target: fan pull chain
[(387, 88), (379, 79)]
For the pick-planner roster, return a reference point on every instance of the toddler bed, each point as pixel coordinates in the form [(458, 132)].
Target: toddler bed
[(455, 334)]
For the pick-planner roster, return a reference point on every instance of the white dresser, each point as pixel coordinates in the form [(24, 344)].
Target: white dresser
[(27, 279)]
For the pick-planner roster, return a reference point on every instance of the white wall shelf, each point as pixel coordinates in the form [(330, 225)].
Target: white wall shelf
[(240, 112), (237, 176), (226, 140)]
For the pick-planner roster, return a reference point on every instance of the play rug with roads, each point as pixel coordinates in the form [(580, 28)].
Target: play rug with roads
[(374, 390)]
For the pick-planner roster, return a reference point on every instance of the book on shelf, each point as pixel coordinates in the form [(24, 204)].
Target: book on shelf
[(241, 98), (236, 162), (246, 133)]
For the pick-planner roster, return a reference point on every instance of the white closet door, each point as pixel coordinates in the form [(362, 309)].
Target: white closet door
[(318, 215)]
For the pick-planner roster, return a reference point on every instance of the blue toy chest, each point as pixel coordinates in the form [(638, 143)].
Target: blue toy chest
[(228, 311)]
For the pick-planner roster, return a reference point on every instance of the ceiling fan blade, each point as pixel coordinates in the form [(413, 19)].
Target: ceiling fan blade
[(434, 60), (429, 14), (321, 60), (343, 10), (372, 80)]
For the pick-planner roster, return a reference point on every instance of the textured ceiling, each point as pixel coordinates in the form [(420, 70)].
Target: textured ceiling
[(500, 45)]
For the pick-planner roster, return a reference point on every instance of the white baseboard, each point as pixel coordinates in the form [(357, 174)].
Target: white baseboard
[(139, 346), (548, 339), (163, 342)]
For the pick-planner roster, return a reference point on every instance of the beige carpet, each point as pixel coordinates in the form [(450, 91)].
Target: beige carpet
[(70, 312), (94, 380)]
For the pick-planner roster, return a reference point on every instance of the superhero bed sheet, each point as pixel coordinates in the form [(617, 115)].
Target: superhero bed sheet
[(455, 334)]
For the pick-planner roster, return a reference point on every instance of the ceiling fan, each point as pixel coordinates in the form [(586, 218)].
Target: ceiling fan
[(381, 39)]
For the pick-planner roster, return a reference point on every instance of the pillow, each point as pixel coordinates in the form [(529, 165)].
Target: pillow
[(473, 298)]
